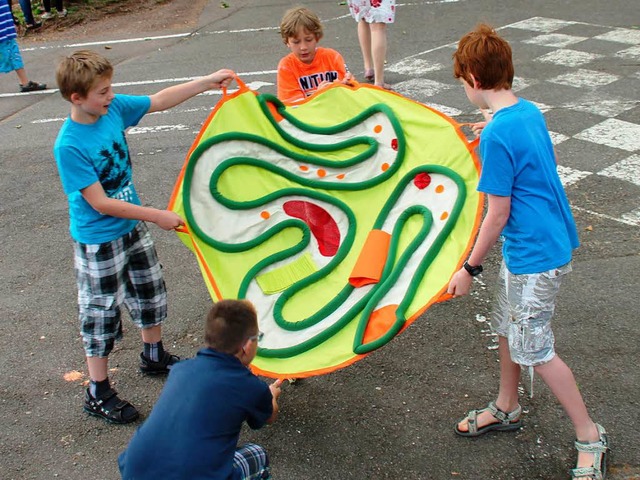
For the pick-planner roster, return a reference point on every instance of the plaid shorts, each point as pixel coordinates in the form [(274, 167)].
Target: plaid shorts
[(123, 271), (10, 58), (252, 462), (523, 311)]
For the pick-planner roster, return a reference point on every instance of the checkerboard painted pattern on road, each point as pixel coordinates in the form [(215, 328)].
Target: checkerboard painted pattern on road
[(584, 77)]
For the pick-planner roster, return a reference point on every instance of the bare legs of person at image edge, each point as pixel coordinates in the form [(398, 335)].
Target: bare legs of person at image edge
[(373, 44), (559, 378), (26, 85), (11, 60)]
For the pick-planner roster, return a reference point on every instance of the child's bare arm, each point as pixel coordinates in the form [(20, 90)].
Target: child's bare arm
[(490, 230), (96, 197), (172, 96), (276, 389), (477, 127), (348, 79)]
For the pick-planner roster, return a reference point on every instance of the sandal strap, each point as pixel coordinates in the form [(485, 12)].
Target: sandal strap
[(600, 446), (595, 447), (472, 423), (121, 406), (504, 417), (105, 397), (586, 472)]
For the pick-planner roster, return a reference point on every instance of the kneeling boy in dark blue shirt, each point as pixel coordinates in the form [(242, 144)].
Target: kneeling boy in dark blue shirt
[(193, 430)]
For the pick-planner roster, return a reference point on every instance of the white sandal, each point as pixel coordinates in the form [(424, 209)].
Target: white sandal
[(598, 471), (506, 421)]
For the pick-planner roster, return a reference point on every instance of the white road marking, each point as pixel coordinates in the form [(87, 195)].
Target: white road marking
[(569, 58), (449, 111), (604, 107), (632, 218), (109, 42), (621, 35), (543, 107), (155, 129), (414, 66), (627, 169), (541, 24), (558, 138), (253, 85), (421, 87), (585, 78), (22, 94), (569, 176), (613, 133), (632, 53), (555, 40), (520, 83)]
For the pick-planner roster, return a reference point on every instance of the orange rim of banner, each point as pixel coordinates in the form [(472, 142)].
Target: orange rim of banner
[(442, 294)]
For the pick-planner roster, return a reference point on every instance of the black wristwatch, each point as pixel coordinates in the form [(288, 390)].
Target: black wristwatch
[(473, 271)]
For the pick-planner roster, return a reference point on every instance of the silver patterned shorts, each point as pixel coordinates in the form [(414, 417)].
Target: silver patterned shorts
[(523, 310)]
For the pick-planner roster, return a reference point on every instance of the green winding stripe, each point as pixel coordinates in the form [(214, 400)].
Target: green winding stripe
[(392, 269), (390, 278)]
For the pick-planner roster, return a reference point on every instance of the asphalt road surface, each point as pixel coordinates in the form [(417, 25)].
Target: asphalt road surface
[(391, 415)]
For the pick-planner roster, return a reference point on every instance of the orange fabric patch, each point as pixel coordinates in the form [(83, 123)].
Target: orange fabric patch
[(370, 263), (380, 322)]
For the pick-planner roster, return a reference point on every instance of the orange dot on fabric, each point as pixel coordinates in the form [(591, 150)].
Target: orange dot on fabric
[(322, 173), (439, 189), (340, 177), (265, 214), (444, 215), (304, 168), (377, 128), (385, 167)]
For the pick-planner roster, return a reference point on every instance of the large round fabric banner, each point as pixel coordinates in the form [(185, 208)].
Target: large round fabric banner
[(341, 218)]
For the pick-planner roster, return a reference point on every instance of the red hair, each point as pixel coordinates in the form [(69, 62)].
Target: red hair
[(485, 55)]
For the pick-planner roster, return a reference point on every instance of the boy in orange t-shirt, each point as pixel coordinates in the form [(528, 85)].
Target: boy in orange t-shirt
[(308, 67)]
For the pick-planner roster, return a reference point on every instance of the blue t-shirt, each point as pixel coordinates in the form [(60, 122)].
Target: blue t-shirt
[(98, 152), (518, 161), (193, 430)]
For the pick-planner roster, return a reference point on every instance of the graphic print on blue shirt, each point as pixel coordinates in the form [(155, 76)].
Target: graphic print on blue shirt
[(311, 82), (114, 171)]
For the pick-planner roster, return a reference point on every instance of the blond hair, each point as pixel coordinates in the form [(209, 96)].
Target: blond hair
[(78, 72), (298, 18)]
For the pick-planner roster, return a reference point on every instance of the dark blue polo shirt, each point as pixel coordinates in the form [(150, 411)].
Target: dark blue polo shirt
[(192, 431)]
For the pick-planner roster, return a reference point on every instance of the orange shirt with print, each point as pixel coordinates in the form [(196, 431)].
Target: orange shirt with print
[(297, 80)]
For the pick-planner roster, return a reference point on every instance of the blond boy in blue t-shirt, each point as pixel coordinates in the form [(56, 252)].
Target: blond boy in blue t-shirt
[(115, 259)]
